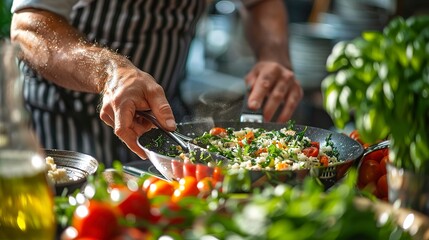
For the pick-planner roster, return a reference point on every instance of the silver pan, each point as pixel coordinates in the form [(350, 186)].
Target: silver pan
[(160, 149)]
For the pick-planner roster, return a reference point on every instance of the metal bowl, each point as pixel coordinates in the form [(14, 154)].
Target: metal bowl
[(78, 166)]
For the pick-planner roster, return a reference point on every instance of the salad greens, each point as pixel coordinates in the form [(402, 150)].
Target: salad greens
[(5, 18), (300, 212), (282, 212), (383, 78)]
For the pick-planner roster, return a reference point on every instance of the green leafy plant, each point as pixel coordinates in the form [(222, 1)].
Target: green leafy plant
[(383, 79), (5, 18)]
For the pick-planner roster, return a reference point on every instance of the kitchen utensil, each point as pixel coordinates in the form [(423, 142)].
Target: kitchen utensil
[(78, 166), (349, 150), (197, 153), (248, 115)]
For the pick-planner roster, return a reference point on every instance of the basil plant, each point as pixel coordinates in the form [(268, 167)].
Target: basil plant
[(382, 79)]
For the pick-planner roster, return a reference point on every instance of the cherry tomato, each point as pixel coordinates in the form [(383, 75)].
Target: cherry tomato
[(202, 171), (376, 155), (97, 220), (189, 169), (383, 163), (136, 204), (205, 185), (218, 131), (187, 187), (217, 175), (160, 188), (369, 172), (356, 136), (382, 189), (149, 181), (310, 151), (177, 167)]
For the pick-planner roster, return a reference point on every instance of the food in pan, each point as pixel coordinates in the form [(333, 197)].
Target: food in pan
[(261, 149), (55, 175)]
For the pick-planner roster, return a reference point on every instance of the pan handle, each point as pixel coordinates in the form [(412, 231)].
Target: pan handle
[(381, 145)]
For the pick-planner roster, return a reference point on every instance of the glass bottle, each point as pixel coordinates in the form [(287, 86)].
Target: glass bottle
[(26, 197)]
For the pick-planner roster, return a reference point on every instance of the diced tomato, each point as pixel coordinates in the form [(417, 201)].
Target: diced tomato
[(315, 144), (324, 160), (260, 150), (310, 151), (218, 131), (250, 136)]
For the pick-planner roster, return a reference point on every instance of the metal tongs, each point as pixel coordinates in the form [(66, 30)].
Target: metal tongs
[(199, 153)]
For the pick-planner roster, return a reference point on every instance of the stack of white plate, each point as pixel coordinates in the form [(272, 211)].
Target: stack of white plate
[(361, 15), (310, 46)]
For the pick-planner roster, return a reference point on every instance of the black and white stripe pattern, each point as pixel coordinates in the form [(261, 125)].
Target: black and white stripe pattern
[(154, 34)]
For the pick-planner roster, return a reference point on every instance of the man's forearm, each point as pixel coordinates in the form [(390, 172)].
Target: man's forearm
[(266, 30), (58, 51)]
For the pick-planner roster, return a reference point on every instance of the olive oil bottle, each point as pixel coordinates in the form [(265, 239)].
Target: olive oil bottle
[(26, 197)]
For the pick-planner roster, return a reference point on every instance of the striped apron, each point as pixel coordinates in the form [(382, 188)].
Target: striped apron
[(154, 34)]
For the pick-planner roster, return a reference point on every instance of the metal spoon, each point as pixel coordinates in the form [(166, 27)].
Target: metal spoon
[(197, 152)]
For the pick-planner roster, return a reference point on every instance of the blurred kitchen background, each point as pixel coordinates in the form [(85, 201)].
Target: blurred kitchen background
[(220, 58)]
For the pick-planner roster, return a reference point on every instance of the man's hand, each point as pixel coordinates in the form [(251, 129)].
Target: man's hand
[(272, 82), (128, 91)]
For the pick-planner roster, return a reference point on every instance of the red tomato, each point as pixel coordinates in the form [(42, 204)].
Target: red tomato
[(177, 167), (218, 131), (187, 187), (383, 163), (369, 172), (315, 144), (250, 136), (217, 174), (356, 136), (97, 220), (202, 171), (324, 160), (205, 185), (376, 155), (160, 188), (311, 151), (136, 204), (382, 189), (189, 169), (149, 181)]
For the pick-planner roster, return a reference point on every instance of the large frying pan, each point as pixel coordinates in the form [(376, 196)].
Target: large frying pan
[(159, 147)]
